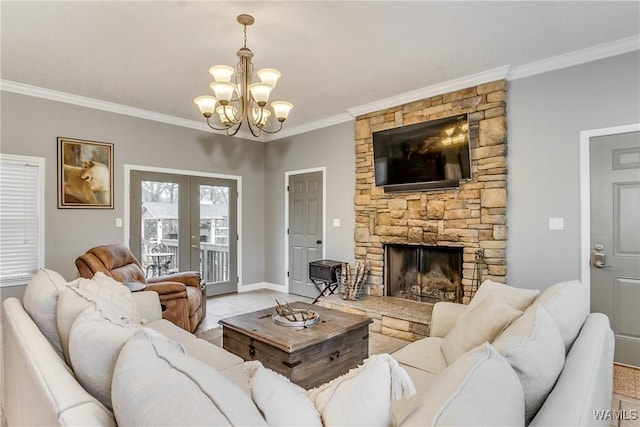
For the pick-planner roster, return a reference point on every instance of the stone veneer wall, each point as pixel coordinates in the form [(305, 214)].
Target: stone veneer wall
[(472, 217)]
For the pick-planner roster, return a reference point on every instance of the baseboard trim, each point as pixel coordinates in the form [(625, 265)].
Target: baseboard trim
[(263, 285)]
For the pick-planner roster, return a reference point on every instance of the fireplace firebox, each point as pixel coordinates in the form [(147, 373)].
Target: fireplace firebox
[(423, 273)]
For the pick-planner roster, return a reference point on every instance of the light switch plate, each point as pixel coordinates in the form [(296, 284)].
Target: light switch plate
[(556, 223), (336, 222), (118, 222)]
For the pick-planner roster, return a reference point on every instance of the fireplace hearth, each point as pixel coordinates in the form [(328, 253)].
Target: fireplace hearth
[(423, 273)]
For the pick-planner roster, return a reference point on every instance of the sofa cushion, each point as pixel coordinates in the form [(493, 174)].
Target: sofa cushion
[(568, 305), (363, 396), (155, 384), (533, 347), (519, 298), (422, 381), (95, 340), (202, 350), (480, 323), (479, 388), (423, 354), (40, 300), (281, 402)]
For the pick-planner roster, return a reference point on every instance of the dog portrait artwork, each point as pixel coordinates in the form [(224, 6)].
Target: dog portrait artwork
[(85, 174)]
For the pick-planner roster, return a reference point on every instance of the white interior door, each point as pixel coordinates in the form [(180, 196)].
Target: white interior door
[(615, 238)]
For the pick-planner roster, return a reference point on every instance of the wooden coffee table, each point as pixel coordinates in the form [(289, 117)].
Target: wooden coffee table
[(308, 356)]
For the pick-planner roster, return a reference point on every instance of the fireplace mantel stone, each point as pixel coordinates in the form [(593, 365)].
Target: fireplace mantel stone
[(472, 217)]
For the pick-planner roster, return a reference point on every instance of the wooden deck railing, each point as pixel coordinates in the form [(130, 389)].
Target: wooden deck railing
[(214, 259)]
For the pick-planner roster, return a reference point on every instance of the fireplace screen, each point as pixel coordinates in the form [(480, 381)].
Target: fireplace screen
[(423, 273)]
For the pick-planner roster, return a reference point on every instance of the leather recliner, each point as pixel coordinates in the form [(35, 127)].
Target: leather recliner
[(181, 294)]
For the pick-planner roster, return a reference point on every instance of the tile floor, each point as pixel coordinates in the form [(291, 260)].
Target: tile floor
[(624, 407)]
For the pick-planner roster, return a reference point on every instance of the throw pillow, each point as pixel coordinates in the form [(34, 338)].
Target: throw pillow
[(95, 340), (362, 397), (480, 323), (78, 296), (70, 304), (519, 298), (533, 347), (40, 300), (479, 388), (154, 383), (568, 305), (281, 402), (112, 290)]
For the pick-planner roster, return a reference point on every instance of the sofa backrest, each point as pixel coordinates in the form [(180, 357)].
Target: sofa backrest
[(40, 389)]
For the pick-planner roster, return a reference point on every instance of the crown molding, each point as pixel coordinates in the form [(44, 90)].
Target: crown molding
[(308, 127), (594, 53), (97, 104), (429, 91)]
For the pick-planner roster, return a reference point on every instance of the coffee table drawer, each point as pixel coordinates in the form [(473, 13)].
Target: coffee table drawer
[(309, 366)]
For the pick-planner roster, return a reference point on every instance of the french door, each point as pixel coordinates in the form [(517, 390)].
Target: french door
[(185, 223)]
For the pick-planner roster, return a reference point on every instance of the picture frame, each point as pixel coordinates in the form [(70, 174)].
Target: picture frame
[(85, 174)]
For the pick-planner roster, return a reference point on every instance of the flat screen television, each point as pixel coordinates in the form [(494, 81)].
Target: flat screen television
[(422, 156)]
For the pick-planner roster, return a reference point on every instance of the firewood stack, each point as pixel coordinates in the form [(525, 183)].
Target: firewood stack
[(353, 280)]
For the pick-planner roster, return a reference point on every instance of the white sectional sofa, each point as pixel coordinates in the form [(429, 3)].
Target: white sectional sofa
[(61, 366)]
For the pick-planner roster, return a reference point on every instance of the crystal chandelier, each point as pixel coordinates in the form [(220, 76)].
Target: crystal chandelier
[(240, 99)]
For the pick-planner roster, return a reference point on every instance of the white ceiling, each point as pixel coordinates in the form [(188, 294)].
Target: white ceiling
[(335, 57)]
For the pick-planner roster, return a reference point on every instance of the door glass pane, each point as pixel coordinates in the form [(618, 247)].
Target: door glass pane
[(159, 216), (214, 233)]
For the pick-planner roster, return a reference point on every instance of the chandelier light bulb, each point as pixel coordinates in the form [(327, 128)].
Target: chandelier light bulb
[(260, 93), (281, 109), (224, 91), (269, 76), (206, 104), (222, 73), (260, 116), (226, 113)]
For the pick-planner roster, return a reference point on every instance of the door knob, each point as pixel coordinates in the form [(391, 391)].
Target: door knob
[(194, 247), (318, 242)]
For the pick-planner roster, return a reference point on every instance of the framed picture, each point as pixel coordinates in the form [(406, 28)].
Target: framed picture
[(85, 174)]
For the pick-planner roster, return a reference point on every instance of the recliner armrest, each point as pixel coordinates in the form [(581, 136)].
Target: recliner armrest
[(444, 317), (188, 278), (164, 288)]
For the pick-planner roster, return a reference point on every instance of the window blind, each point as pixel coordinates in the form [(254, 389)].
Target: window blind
[(21, 218)]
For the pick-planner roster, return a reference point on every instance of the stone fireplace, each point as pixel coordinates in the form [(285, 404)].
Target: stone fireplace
[(469, 218), (423, 273)]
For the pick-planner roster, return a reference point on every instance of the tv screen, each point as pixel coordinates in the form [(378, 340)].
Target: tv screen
[(432, 154)]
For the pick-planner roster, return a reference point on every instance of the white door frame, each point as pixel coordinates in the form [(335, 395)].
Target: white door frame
[(585, 196), (287, 174), (127, 201)]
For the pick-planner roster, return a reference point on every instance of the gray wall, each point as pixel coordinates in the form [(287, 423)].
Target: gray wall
[(30, 126), (545, 115), (332, 148)]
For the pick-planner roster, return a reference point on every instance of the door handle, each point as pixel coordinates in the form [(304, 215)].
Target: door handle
[(318, 242), (195, 247), (599, 260)]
